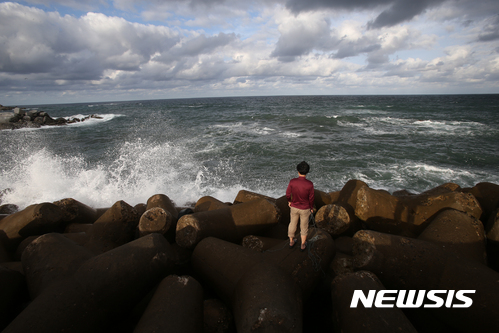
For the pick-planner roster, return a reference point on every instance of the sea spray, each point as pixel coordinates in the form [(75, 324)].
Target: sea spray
[(133, 173)]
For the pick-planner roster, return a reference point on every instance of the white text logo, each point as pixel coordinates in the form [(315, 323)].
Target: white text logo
[(412, 298)]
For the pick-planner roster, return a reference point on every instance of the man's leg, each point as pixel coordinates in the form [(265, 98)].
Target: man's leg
[(304, 218), (293, 223)]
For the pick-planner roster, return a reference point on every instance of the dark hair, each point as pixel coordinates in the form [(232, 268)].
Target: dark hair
[(303, 168)]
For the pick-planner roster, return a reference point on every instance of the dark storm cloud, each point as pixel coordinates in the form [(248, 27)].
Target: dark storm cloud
[(402, 10), (397, 12), (491, 31), (352, 49)]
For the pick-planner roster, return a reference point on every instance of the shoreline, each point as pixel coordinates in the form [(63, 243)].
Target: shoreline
[(48, 250)]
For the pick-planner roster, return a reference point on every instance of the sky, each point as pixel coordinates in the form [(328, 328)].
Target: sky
[(71, 51)]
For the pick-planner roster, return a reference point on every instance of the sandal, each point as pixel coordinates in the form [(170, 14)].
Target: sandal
[(304, 246), (292, 245)]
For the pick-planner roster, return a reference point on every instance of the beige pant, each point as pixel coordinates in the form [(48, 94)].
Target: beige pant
[(301, 214)]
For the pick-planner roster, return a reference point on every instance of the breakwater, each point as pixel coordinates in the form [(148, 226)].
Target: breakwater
[(226, 266), (16, 118)]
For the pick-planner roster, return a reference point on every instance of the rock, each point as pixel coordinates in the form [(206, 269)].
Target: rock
[(492, 230), (245, 196), (32, 114), (231, 223), (340, 265), (4, 254), (155, 220), (321, 199), (19, 112), (78, 227), (50, 259), (348, 194), (344, 245), (177, 306), (101, 290), (76, 212), (33, 220), (361, 319), (7, 117), (307, 267), (140, 208), (459, 233), (409, 215), (337, 220), (208, 203), (8, 209), (238, 275), (403, 263), (217, 317), (114, 228), (267, 300), (487, 195), (162, 201), (12, 294), (259, 243), (185, 211)]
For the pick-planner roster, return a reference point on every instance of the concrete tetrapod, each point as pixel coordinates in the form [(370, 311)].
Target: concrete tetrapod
[(404, 263), (208, 203), (337, 219), (458, 232), (245, 196), (231, 223), (361, 319), (33, 220), (101, 290), (155, 220), (217, 317), (176, 306), (12, 294), (238, 274), (492, 230), (266, 299), (409, 215), (222, 264), (50, 259), (308, 267), (162, 201), (259, 243), (76, 212), (114, 228)]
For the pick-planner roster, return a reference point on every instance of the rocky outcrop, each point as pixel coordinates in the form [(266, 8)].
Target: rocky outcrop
[(17, 118)]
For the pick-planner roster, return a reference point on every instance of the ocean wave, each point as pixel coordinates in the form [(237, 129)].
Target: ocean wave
[(89, 120), (135, 171)]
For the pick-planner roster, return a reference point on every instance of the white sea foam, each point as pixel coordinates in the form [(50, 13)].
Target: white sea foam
[(138, 171), (99, 118)]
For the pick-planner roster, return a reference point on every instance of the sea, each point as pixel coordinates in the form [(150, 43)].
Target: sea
[(190, 148)]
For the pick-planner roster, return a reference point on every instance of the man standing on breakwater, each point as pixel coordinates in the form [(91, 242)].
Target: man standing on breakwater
[(300, 195)]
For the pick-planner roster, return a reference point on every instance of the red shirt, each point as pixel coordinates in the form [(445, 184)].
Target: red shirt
[(300, 193)]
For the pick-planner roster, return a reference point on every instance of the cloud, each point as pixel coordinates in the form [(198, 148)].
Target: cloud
[(490, 31), (302, 34), (209, 48), (398, 11), (65, 47)]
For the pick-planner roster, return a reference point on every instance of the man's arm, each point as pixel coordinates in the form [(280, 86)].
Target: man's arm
[(311, 198), (288, 193)]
